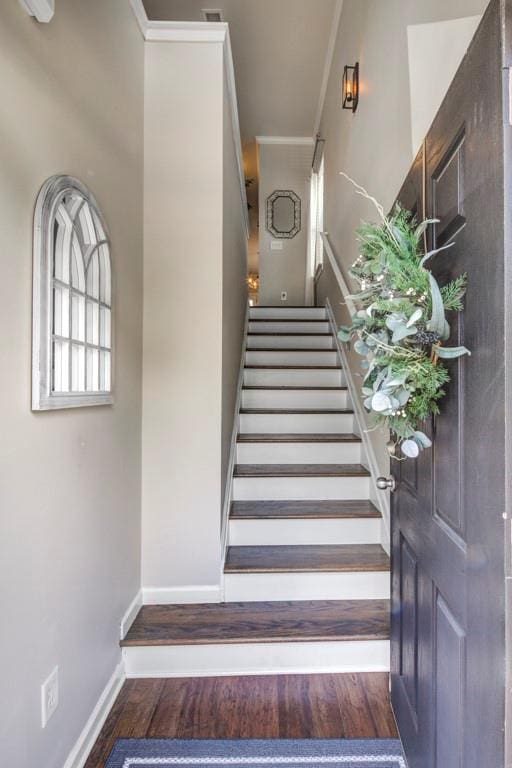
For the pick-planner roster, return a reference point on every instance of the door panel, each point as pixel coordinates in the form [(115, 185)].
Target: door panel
[(448, 656)]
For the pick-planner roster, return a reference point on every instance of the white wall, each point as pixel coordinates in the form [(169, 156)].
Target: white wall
[(69, 480), (194, 268), (374, 145), (283, 166)]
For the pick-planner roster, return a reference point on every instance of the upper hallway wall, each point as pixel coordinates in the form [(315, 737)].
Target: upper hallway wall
[(283, 166), (72, 102)]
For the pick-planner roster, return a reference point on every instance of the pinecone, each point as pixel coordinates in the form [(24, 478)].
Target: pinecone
[(426, 337)]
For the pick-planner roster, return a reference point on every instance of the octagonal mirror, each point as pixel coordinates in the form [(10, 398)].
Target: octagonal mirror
[(283, 214)]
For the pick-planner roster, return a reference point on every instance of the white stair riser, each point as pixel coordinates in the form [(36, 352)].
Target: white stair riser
[(257, 658), (291, 423), (294, 377), (285, 326), (247, 533), (291, 357), (294, 313), (296, 488), (298, 453), (253, 587), (291, 342), (289, 398)]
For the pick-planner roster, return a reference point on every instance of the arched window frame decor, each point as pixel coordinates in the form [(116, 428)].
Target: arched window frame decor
[(72, 344)]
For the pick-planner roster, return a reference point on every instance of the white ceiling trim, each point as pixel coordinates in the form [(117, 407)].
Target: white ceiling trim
[(307, 141), (205, 32), (178, 31), (141, 15), (328, 63)]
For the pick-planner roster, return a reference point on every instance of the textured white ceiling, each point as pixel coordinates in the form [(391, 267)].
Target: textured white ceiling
[(279, 51)]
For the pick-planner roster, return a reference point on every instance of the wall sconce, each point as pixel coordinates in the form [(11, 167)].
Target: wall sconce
[(43, 10), (351, 87)]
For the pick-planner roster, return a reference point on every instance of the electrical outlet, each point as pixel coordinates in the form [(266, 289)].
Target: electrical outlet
[(49, 696), (284, 296)]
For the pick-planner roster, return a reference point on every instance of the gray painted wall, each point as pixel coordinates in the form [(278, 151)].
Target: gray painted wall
[(194, 268), (374, 145), (69, 480), (283, 166)]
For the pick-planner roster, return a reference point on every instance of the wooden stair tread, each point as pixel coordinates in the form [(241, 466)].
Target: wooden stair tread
[(306, 558), (271, 622), (286, 387), (288, 333), (290, 349), (302, 510), (329, 437), (287, 320), (296, 411), (300, 470), (296, 367)]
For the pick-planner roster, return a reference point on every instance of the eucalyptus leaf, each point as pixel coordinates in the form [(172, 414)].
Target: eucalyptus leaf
[(402, 332), (411, 449), (404, 397), (430, 254), (361, 348), (437, 323), (380, 402), (417, 315), (422, 439), (450, 353)]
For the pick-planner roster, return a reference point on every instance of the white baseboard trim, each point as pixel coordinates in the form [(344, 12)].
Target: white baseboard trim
[(85, 742), (209, 593), (227, 659), (381, 497), (131, 613)]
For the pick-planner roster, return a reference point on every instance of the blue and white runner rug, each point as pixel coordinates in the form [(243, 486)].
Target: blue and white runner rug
[(265, 753)]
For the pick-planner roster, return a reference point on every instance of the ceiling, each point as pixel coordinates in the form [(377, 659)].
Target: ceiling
[(279, 52)]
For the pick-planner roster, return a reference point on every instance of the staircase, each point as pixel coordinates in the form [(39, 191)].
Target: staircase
[(306, 580)]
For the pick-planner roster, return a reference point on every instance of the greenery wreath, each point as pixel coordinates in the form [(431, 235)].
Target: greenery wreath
[(400, 326)]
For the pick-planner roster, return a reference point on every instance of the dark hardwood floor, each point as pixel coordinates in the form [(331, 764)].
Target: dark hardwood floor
[(273, 707)]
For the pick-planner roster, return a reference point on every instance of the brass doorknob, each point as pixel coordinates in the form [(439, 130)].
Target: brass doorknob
[(386, 483)]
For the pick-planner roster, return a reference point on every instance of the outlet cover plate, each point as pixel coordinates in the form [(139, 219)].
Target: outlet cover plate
[(49, 696), (276, 245)]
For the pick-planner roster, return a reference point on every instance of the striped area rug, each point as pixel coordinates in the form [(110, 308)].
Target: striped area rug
[(266, 753)]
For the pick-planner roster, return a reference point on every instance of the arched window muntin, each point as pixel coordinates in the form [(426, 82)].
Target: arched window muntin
[(72, 302)]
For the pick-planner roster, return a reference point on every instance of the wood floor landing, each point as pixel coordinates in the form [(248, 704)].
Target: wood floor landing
[(269, 622), (306, 558), (302, 510), (270, 707)]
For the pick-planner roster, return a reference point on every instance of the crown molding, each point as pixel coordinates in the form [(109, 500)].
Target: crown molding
[(178, 31), (329, 56), (305, 141), (140, 14)]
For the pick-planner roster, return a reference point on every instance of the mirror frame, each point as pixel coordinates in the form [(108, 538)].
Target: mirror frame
[(271, 200)]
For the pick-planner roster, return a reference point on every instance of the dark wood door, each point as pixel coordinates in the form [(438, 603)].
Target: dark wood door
[(448, 571)]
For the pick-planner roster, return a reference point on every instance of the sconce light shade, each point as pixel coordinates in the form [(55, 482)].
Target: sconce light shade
[(351, 87), (43, 10)]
